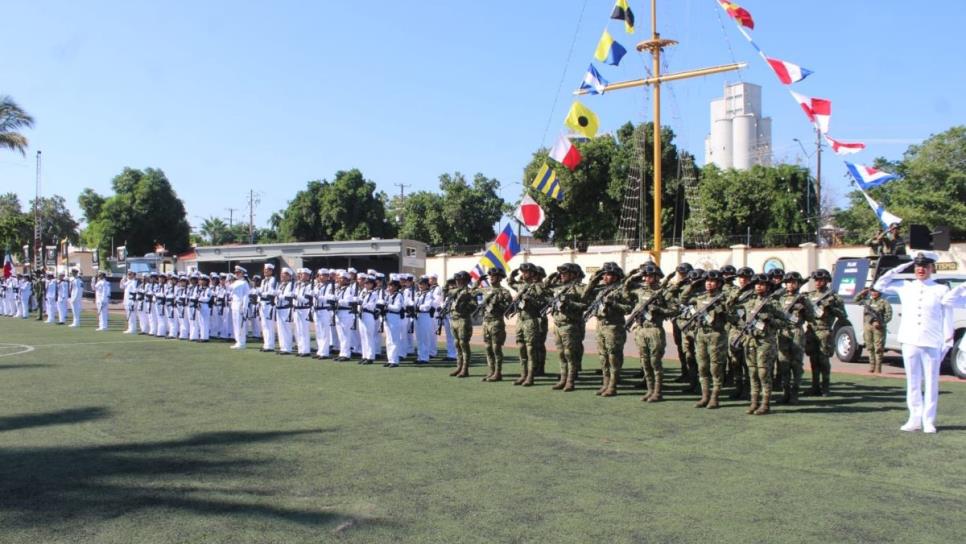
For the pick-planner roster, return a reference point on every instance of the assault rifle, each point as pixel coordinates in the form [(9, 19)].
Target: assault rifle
[(640, 311), (514, 306), (818, 303), (751, 323), (875, 315), (557, 299), (601, 297), (700, 314), (443, 312), (788, 307), (355, 309)]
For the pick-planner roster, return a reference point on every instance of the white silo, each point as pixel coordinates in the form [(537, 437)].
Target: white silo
[(744, 141), (721, 143)]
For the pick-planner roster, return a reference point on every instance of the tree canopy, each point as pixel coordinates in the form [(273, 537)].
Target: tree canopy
[(460, 214), (144, 212), (347, 208), (12, 119), (931, 191)]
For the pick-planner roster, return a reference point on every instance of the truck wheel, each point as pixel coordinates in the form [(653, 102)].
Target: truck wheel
[(847, 349), (957, 358)]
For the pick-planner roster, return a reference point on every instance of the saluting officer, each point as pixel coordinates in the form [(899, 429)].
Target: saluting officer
[(764, 319), (102, 296), (647, 322), (567, 309), (609, 305), (496, 299), (239, 300)]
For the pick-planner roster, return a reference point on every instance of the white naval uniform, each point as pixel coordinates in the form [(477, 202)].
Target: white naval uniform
[(75, 289), (925, 332), (63, 286), (182, 309), (303, 305), (425, 336), (204, 313), (368, 326), (284, 314), (102, 297), (239, 303), (266, 301), (345, 319), (324, 295), (26, 289), (130, 309), (395, 325), (170, 318)]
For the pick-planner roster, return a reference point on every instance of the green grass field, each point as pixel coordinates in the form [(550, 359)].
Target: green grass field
[(110, 438)]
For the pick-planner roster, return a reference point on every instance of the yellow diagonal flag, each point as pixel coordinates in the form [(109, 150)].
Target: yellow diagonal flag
[(582, 120)]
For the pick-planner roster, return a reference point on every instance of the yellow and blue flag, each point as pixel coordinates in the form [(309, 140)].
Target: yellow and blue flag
[(608, 50), (547, 183)]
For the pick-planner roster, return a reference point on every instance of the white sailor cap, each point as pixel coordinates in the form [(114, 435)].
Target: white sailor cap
[(434, 275), (322, 272), (351, 270), (393, 276), (269, 266), (371, 272), (204, 276), (241, 269), (363, 276), (342, 274), (288, 271)]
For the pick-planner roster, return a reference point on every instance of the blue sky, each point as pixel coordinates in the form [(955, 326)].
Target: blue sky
[(231, 96)]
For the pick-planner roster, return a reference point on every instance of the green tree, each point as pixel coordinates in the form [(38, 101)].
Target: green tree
[(143, 212), (16, 227), (460, 214), (56, 221), (768, 200), (348, 208), (931, 191), (12, 119), (214, 231), (594, 191)]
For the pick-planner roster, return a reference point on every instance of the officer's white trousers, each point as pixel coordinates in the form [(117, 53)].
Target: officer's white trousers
[(50, 307), (241, 337), (425, 336), (132, 317), (62, 311), (367, 325), (268, 326), (24, 304), (101, 306), (395, 332), (323, 332), (922, 383), (343, 323), (303, 338)]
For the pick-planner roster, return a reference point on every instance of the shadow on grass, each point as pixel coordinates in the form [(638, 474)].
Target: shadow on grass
[(53, 485), (60, 417), (26, 365)]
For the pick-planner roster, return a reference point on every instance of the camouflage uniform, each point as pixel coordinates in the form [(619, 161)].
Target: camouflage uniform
[(736, 352), (791, 344), (711, 344), (761, 348), (532, 297), (568, 321), (611, 335), (649, 335), (461, 322), (818, 340), (689, 363), (673, 286), (875, 311), (496, 300)]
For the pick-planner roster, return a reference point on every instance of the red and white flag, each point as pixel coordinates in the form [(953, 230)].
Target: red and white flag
[(530, 214), (818, 110), (565, 153), (787, 72), (7, 266), (844, 148)]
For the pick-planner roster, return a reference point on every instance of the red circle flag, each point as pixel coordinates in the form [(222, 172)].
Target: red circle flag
[(530, 213)]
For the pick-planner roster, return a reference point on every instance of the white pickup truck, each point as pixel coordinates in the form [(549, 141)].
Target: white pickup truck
[(851, 276)]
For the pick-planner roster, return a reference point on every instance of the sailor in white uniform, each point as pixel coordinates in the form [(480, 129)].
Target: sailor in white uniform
[(239, 303), (925, 332), (102, 296)]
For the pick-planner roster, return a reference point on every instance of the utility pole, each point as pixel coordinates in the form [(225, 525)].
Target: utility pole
[(252, 202), (231, 216), (655, 46), (402, 198), (818, 183), (38, 243)]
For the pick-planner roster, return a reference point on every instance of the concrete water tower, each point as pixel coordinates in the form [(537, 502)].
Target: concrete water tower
[(740, 137)]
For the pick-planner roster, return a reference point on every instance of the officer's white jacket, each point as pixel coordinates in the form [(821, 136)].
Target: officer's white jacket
[(926, 321), (239, 294)]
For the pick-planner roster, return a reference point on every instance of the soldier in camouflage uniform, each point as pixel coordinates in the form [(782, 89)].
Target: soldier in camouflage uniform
[(877, 312), (673, 285), (609, 305), (732, 372), (818, 340), (736, 352), (461, 321), (711, 337), (791, 340), (531, 298), (539, 368), (685, 301), (567, 309), (496, 299), (760, 339), (647, 322)]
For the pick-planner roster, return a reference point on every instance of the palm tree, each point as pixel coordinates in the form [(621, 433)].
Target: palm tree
[(214, 230), (11, 119)]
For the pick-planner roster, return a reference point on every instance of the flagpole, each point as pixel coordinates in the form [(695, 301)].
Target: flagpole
[(818, 183)]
